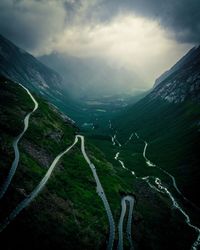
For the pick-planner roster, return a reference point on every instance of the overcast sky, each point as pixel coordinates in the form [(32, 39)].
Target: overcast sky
[(148, 36)]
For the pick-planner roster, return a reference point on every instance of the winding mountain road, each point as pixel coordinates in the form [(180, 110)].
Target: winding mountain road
[(23, 204), (161, 187), (36, 191), (44, 180), (127, 199), (101, 193), (15, 146)]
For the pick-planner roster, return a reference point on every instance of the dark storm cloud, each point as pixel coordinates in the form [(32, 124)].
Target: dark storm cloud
[(180, 16), (31, 23)]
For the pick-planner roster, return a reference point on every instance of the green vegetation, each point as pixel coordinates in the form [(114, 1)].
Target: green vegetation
[(68, 213), (172, 131), (156, 224)]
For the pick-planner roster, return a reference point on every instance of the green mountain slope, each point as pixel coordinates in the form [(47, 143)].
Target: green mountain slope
[(172, 131), (168, 118), (158, 138), (68, 213), (20, 66)]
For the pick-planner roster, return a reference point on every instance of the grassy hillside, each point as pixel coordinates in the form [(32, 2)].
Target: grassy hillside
[(156, 224), (172, 131), (68, 213)]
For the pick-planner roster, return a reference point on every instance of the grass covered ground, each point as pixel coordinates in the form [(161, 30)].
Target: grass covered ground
[(68, 214), (172, 131), (156, 224)]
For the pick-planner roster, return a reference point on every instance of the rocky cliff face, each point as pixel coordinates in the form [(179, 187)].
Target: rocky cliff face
[(20, 66), (182, 82), (62, 212)]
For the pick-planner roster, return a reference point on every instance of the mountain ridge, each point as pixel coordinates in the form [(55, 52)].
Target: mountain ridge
[(21, 66), (183, 60), (168, 117), (92, 77), (68, 212), (183, 80)]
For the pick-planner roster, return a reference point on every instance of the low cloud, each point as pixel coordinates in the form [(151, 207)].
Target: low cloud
[(146, 36), (127, 41), (32, 25)]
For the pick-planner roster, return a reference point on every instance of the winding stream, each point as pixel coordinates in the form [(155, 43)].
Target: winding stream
[(115, 141), (15, 146), (158, 182), (129, 139), (159, 187), (127, 199), (120, 161)]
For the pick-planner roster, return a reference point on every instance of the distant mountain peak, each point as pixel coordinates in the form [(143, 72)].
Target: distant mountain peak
[(182, 81), (184, 60), (20, 66)]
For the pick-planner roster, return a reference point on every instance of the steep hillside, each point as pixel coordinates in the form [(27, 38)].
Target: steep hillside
[(172, 131), (68, 213), (183, 83), (20, 66), (168, 118), (191, 56)]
